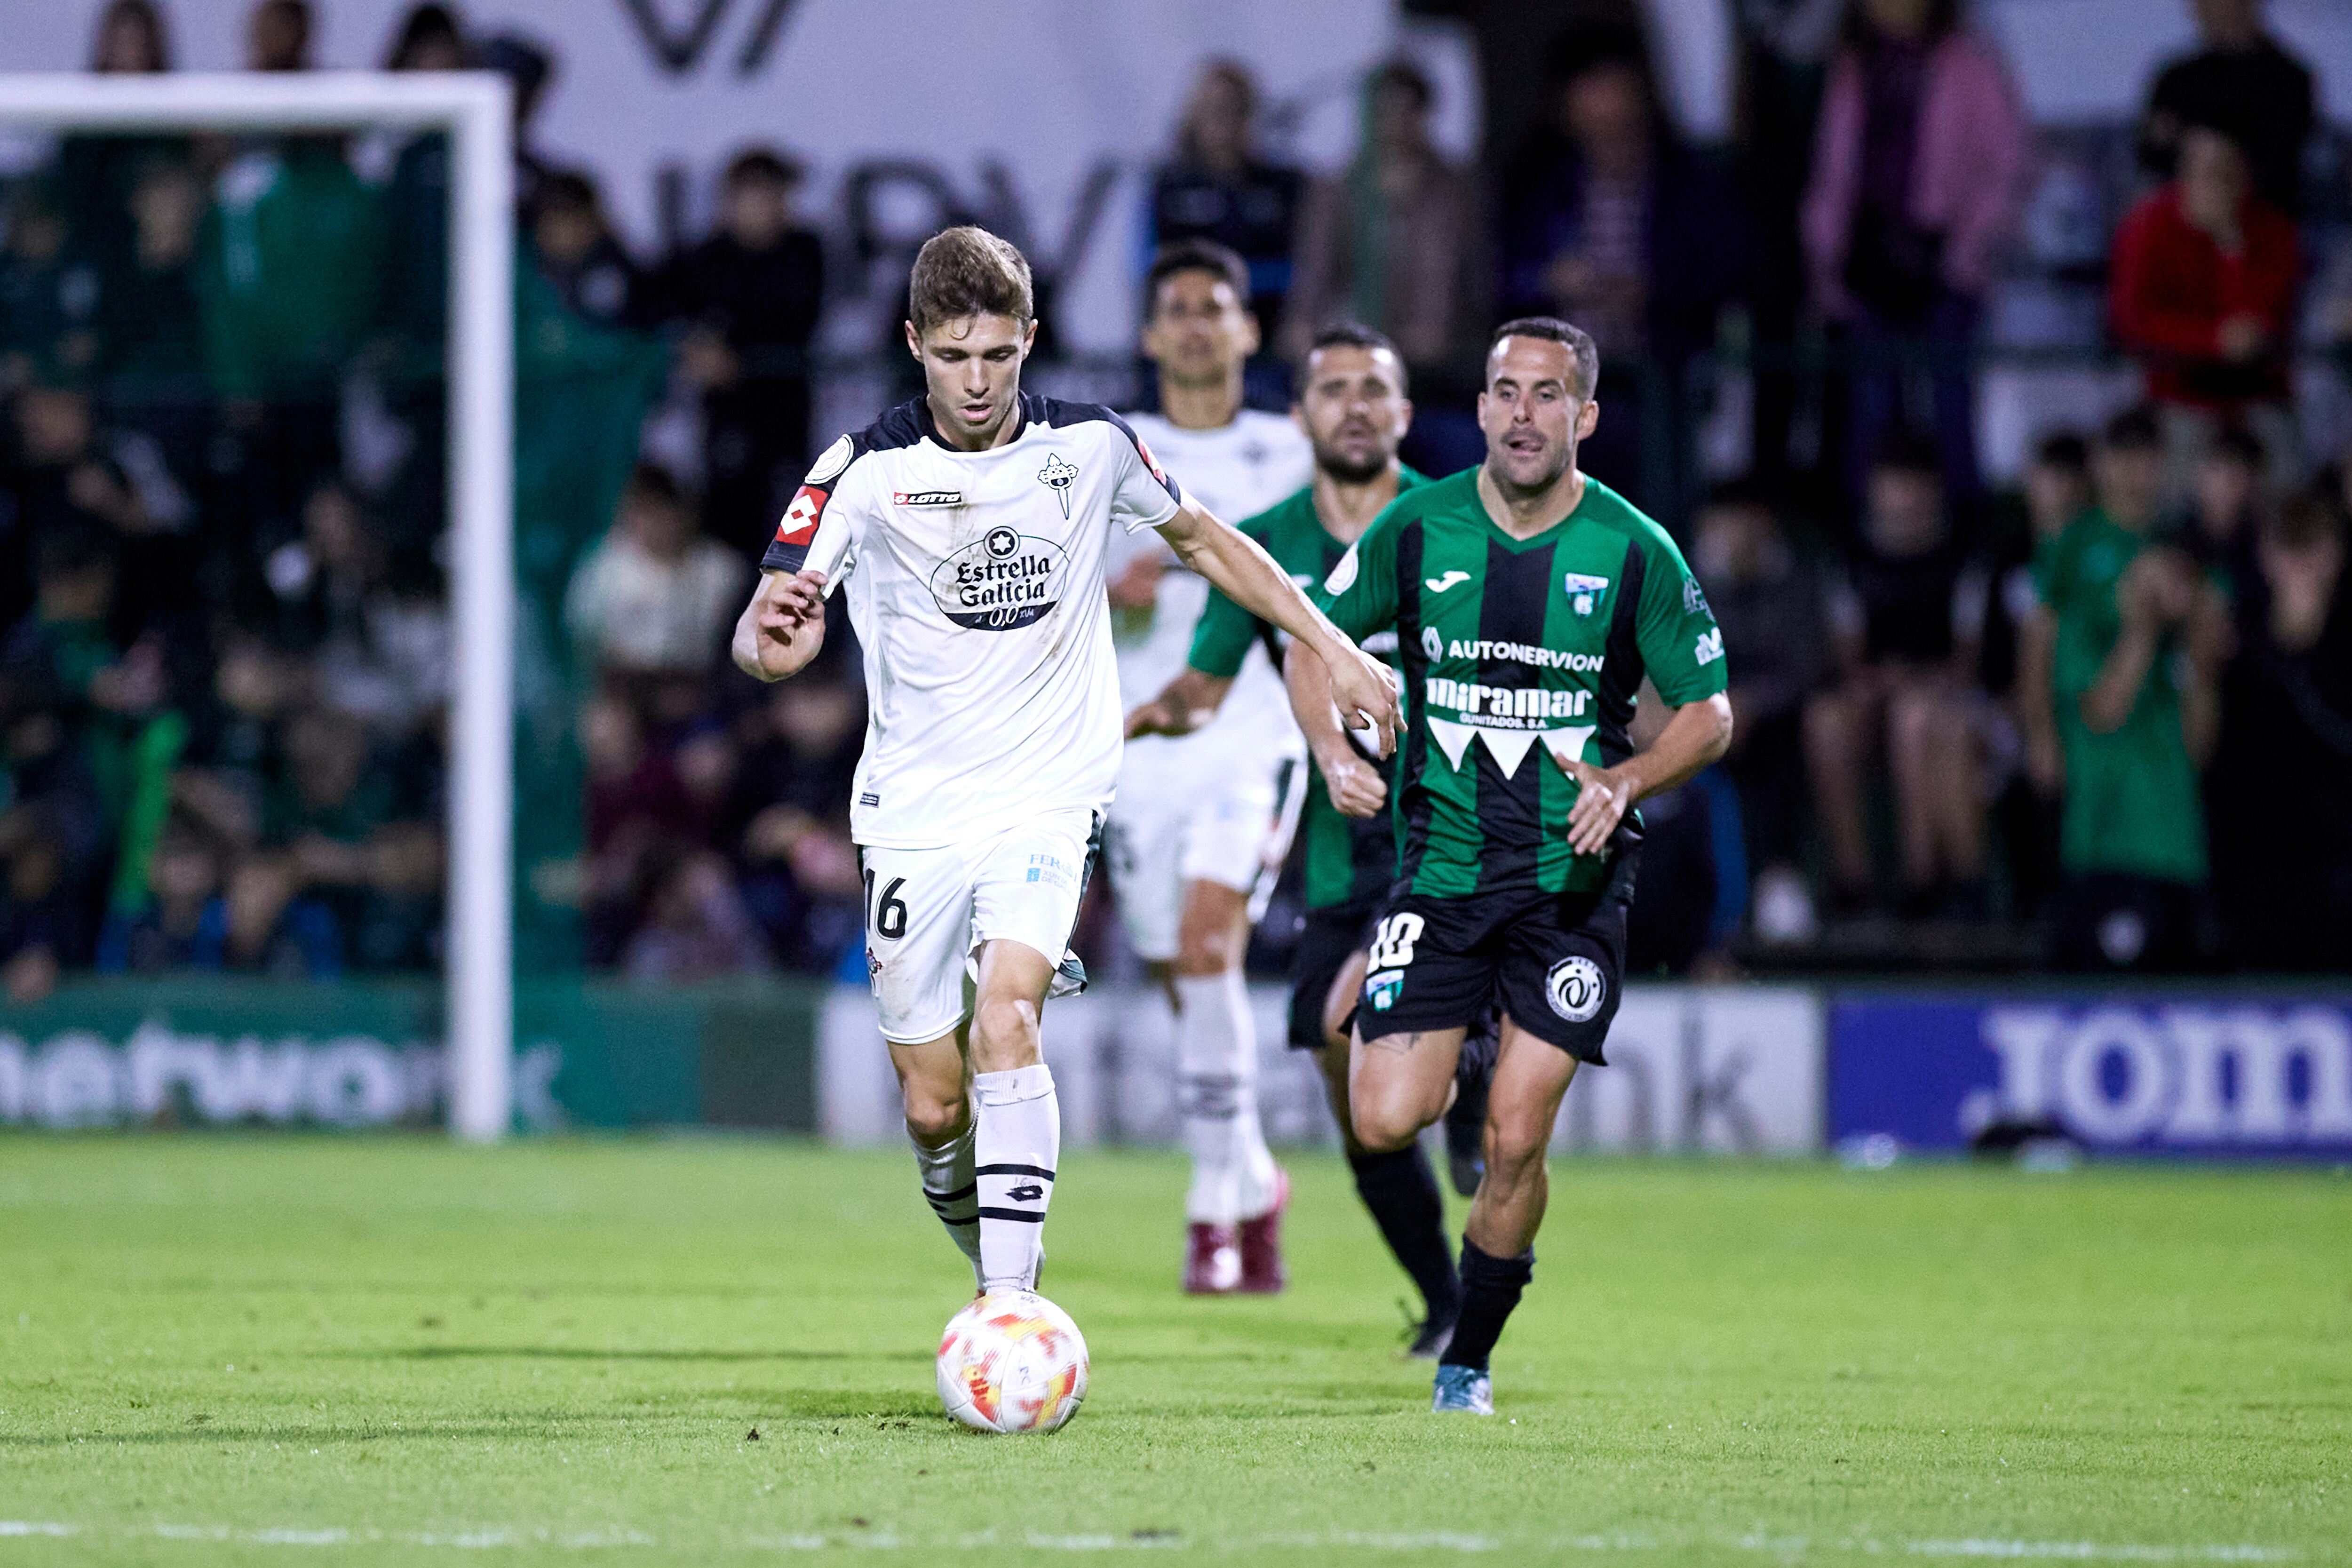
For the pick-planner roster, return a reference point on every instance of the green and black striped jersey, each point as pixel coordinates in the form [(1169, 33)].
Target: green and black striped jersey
[(1347, 860), (1506, 643)]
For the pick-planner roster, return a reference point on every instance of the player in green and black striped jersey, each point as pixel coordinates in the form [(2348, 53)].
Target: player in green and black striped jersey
[(1530, 601), (1353, 404)]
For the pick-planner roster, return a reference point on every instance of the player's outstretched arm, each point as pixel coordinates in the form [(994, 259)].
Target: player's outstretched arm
[(1355, 785), (1239, 567), (1698, 733), (1184, 705), (783, 625)]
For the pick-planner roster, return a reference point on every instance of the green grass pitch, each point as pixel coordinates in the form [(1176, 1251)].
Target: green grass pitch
[(218, 1349)]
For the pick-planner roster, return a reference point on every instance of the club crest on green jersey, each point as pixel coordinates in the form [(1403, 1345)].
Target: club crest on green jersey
[(1584, 591)]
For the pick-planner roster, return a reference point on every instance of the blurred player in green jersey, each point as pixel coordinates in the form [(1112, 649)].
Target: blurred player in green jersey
[(1353, 409)]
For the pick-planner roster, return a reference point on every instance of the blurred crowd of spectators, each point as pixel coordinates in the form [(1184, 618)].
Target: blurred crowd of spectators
[(2108, 713), (227, 655)]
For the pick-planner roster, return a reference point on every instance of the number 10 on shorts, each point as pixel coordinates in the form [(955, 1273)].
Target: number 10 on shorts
[(1392, 951), (1393, 940)]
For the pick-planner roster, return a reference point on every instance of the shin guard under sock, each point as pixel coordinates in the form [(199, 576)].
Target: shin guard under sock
[(1401, 1191), (1017, 1143), (949, 1188), (1234, 1175), (1490, 1289)]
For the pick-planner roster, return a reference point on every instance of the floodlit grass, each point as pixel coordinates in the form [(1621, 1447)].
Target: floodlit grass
[(236, 1351)]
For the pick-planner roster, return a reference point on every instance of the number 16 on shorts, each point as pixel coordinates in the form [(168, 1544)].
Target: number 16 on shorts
[(1390, 956), (888, 922)]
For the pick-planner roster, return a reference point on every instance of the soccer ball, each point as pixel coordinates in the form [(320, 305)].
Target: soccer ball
[(1012, 1362)]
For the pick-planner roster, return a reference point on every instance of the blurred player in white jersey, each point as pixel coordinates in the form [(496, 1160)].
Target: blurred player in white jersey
[(971, 526), (1198, 828)]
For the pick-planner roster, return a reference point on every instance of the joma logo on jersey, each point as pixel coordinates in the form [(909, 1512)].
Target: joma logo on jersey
[(927, 497), (1526, 653), (1472, 702)]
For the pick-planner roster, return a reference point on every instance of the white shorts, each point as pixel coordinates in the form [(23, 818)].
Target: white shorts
[(927, 911), (1168, 827)]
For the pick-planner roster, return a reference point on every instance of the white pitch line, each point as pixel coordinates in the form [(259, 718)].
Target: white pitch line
[(1443, 1541), (2095, 1551)]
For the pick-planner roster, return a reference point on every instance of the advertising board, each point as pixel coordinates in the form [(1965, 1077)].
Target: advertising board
[(2193, 1075)]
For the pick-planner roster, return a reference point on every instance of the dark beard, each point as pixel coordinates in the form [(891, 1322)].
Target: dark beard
[(1348, 473)]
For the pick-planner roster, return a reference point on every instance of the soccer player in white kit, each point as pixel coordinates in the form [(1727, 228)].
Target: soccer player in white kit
[(1196, 830), (970, 527)]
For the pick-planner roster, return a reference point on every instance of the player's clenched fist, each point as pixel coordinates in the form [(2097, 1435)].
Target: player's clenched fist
[(1356, 785), (796, 599), (1600, 801), (1365, 695), (782, 626)]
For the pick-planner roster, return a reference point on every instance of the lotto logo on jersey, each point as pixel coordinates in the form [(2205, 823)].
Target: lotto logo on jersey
[(1001, 582), (801, 517)]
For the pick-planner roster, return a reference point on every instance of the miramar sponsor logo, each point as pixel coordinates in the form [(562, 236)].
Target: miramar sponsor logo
[(1509, 719), (1507, 707), (1001, 582)]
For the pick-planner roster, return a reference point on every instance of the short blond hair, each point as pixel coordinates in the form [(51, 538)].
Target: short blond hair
[(967, 271)]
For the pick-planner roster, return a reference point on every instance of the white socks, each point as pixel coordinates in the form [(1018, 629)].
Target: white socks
[(1234, 1176), (1017, 1128), (949, 1188)]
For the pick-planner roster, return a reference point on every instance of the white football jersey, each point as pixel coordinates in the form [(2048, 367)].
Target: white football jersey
[(1234, 471), (975, 584)]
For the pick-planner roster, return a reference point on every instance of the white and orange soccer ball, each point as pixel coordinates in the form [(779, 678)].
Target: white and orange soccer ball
[(1012, 1362)]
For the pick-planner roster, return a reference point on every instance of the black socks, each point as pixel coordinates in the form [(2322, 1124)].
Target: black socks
[(1401, 1191), (1490, 1289)]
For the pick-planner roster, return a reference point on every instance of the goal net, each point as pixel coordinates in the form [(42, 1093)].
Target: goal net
[(258, 343)]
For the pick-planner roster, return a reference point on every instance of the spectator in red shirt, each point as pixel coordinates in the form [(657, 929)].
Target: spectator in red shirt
[(2204, 280)]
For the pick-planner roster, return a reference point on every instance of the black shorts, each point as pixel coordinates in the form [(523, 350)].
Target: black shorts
[(1329, 939), (1554, 962)]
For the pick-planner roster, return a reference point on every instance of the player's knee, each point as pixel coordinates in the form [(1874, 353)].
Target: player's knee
[(1205, 952), (1385, 1123), (933, 1119), (1514, 1144), (1004, 1033)]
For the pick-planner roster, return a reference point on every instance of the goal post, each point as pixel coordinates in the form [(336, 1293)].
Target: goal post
[(475, 109)]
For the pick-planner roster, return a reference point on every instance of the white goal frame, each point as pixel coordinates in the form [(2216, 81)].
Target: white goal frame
[(475, 108)]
